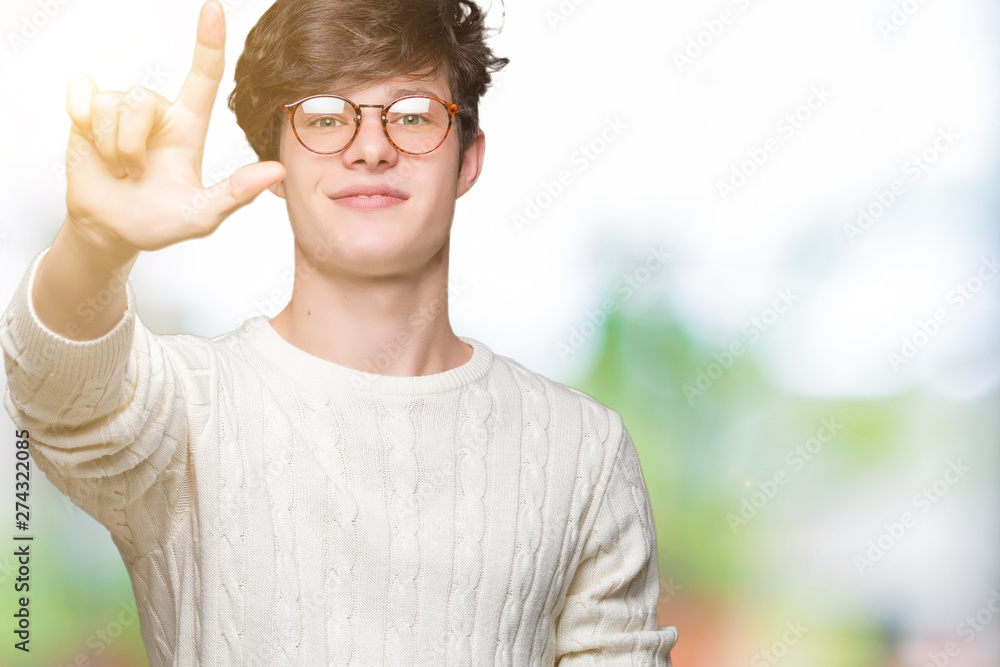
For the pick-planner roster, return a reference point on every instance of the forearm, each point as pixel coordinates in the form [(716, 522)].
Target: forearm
[(79, 288)]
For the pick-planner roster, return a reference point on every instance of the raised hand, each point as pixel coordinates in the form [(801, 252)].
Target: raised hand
[(135, 183)]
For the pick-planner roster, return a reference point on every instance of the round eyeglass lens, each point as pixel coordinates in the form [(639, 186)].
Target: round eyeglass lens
[(417, 124), (324, 124)]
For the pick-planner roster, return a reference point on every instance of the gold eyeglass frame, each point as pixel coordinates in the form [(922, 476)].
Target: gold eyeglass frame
[(290, 109)]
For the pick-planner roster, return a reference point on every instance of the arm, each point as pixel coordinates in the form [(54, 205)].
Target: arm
[(609, 617), (79, 286), (106, 417), (100, 394)]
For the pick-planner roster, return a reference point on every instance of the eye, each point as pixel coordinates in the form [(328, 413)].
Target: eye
[(325, 122), (410, 119)]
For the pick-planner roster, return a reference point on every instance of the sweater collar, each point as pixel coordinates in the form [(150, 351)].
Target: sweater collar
[(261, 335)]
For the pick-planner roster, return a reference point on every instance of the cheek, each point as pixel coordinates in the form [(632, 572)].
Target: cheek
[(439, 184), (442, 209), (295, 159), (302, 174), (302, 201)]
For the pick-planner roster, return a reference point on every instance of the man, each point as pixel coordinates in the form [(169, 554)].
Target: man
[(275, 502)]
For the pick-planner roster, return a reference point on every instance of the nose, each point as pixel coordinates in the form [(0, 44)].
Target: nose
[(370, 147)]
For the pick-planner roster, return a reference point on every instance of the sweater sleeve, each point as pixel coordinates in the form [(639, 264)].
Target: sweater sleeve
[(609, 617), (106, 417)]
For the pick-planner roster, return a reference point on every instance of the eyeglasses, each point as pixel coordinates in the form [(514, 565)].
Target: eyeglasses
[(415, 124)]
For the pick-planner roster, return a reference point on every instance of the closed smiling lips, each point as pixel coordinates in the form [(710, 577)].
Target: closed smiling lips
[(367, 197)]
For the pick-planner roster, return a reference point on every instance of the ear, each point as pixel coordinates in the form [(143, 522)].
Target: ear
[(472, 164)]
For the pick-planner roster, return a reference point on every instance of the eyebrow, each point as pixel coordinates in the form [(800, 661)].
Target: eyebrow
[(395, 93), (400, 92)]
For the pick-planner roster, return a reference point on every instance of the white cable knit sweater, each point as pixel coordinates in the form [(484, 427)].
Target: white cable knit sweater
[(274, 508)]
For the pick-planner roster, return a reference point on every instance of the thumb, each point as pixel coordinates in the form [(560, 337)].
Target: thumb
[(243, 187)]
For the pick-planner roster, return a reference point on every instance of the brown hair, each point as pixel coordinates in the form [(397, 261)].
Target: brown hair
[(302, 47)]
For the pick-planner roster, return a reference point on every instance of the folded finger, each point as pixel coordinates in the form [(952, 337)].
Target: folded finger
[(142, 111), (80, 92), (105, 112)]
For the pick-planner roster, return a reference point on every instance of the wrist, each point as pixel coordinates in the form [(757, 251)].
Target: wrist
[(96, 249)]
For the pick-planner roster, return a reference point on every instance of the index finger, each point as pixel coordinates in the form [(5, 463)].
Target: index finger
[(202, 83)]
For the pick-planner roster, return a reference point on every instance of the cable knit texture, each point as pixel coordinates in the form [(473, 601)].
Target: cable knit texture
[(274, 508)]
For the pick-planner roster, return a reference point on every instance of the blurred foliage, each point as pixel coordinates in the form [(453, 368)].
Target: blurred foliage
[(703, 453)]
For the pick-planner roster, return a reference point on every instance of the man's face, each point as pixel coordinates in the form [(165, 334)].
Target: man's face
[(376, 236)]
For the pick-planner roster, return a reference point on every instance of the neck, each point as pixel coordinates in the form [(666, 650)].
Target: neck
[(389, 325)]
